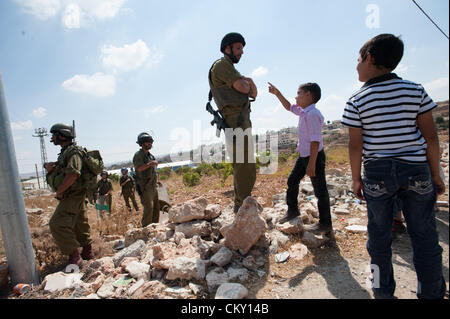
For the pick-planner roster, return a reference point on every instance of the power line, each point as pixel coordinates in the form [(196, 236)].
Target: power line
[(430, 18)]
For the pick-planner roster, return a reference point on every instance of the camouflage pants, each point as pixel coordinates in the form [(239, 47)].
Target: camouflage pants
[(149, 200), (127, 196), (244, 168), (69, 225)]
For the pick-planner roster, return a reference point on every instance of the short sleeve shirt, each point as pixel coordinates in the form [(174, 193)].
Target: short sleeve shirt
[(224, 73), (140, 158)]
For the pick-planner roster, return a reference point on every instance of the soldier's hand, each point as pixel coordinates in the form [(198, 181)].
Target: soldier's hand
[(50, 166)]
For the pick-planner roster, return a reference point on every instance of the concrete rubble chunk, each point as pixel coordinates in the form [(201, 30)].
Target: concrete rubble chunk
[(247, 227), (341, 211), (222, 257), (307, 189), (134, 250), (186, 268), (194, 228), (298, 251), (149, 290), (107, 289), (135, 286), (293, 226), (231, 291), (60, 281), (190, 210), (138, 270), (179, 292), (212, 211)]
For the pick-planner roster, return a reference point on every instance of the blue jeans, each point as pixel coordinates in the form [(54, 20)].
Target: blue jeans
[(386, 181)]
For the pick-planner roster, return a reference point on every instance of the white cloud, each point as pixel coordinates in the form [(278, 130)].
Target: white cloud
[(41, 9), (259, 71), (437, 89), (99, 84), (75, 13), (25, 125), (39, 112), (71, 17), (126, 58), (148, 111), (332, 107)]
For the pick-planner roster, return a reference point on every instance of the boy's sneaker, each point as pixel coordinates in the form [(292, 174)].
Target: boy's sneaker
[(398, 227), (318, 227), (291, 214)]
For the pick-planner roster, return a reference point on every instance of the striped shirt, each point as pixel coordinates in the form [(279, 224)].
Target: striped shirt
[(386, 109)]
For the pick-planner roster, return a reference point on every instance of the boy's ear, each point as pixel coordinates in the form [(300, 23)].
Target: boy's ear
[(370, 59)]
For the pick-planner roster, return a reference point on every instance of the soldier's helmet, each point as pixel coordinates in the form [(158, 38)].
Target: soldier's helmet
[(144, 137), (231, 38), (62, 129), (104, 173), (123, 169)]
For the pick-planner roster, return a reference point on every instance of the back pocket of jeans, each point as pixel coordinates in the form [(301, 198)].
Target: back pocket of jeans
[(374, 188), (420, 184)]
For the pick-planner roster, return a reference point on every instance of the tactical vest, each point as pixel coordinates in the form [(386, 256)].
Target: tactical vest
[(228, 100)]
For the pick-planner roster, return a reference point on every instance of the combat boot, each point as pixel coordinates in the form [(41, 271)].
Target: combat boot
[(87, 252), (75, 261), (290, 214)]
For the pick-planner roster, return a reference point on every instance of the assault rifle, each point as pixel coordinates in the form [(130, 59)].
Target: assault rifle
[(218, 119)]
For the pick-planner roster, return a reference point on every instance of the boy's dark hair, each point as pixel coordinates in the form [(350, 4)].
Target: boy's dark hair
[(386, 50), (314, 89)]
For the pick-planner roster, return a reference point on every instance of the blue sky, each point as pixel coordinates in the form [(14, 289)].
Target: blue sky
[(121, 67)]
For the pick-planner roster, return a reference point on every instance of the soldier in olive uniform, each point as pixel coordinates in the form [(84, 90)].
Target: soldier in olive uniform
[(104, 189), (127, 184), (145, 166), (231, 92), (69, 223)]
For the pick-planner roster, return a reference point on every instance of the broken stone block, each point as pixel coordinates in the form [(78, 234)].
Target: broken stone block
[(138, 270), (186, 268), (134, 250), (298, 251), (60, 281), (293, 226), (247, 227), (190, 210), (212, 211)]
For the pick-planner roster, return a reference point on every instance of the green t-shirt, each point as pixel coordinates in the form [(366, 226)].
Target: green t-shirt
[(224, 73)]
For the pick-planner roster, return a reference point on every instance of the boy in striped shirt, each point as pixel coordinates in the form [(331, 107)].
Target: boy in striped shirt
[(392, 132)]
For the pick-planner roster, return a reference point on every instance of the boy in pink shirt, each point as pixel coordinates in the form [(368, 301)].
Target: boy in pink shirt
[(311, 160)]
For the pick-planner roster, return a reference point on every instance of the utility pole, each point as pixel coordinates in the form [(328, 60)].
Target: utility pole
[(13, 219), (41, 133), (37, 176)]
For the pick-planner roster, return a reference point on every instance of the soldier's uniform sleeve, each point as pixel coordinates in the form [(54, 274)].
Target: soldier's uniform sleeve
[(74, 164), (138, 160), (110, 186), (224, 73)]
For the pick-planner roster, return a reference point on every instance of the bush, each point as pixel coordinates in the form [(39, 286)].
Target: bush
[(183, 170), (205, 169), (225, 170), (164, 173), (191, 179), (113, 177)]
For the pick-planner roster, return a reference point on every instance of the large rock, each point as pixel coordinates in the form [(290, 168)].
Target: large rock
[(60, 281), (190, 210), (161, 232), (194, 228), (247, 228), (133, 250), (222, 257), (186, 268), (231, 291)]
